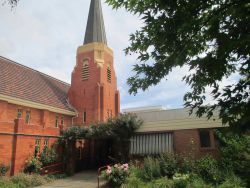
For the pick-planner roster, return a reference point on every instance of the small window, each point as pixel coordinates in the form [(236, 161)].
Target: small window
[(84, 117), (37, 146), (62, 120), (85, 70), (109, 74), (27, 118), (19, 113), (57, 121), (205, 140), (46, 142)]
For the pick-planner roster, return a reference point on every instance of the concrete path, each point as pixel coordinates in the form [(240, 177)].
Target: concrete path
[(86, 179)]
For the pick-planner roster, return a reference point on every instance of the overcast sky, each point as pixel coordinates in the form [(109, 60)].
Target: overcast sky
[(44, 35)]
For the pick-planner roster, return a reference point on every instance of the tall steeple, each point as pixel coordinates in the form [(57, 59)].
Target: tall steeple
[(95, 30), (93, 91)]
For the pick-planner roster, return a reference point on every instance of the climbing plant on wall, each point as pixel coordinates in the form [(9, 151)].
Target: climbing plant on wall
[(120, 128)]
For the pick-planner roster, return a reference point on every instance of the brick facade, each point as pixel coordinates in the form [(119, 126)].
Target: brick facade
[(188, 142), (17, 138), (97, 96)]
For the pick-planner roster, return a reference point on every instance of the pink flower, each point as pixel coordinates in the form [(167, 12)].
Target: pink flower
[(108, 171), (116, 165), (125, 165), (109, 167)]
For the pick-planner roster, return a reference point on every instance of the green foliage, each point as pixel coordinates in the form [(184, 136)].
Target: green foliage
[(116, 175), (120, 128), (187, 164), (151, 169), (208, 168), (48, 156), (133, 182), (168, 164), (206, 173), (235, 154), (161, 183), (180, 180), (211, 38), (3, 169), (12, 3), (232, 181), (24, 180), (33, 164), (125, 126), (73, 133), (196, 181)]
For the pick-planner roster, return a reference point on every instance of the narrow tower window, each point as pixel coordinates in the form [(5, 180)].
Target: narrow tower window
[(85, 70), (62, 120), (109, 74), (37, 146), (46, 142), (84, 116), (27, 118), (19, 113), (57, 121)]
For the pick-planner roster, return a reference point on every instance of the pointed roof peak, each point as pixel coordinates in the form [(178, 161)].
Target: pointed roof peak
[(95, 30)]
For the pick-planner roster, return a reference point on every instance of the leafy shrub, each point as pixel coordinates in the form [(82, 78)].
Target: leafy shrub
[(151, 169), (207, 167), (187, 165), (232, 181), (6, 183), (32, 165), (197, 182), (3, 169), (168, 164), (48, 156), (161, 183), (116, 175), (180, 180), (24, 180), (133, 182), (235, 154)]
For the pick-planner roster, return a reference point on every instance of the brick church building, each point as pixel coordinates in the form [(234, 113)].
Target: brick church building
[(35, 107)]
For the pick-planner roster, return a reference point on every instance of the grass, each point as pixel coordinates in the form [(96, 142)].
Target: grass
[(23, 180)]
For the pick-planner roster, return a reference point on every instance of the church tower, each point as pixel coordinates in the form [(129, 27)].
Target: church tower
[(93, 92)]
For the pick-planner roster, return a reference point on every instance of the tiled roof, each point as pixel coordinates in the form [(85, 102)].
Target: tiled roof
[(22, 82)]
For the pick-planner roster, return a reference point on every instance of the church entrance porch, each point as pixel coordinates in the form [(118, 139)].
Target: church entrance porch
[(93, 154)]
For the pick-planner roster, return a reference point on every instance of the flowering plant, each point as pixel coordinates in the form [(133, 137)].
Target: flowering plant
[(33, 164), (116, 175)]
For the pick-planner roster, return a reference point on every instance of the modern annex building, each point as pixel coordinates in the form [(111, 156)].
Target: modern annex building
[(34, 107)]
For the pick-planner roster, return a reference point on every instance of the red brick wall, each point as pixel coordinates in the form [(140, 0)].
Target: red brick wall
[(96, 95), (188, 142), (17, 139)]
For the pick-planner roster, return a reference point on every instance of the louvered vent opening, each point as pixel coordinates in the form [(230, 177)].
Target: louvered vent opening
[(109, 74), (85, 71)]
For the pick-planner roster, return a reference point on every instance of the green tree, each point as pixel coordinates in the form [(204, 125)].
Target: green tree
[(212, 38), (12, 3)]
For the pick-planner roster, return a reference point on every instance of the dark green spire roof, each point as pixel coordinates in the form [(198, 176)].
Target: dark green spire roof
[(95, 30)]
